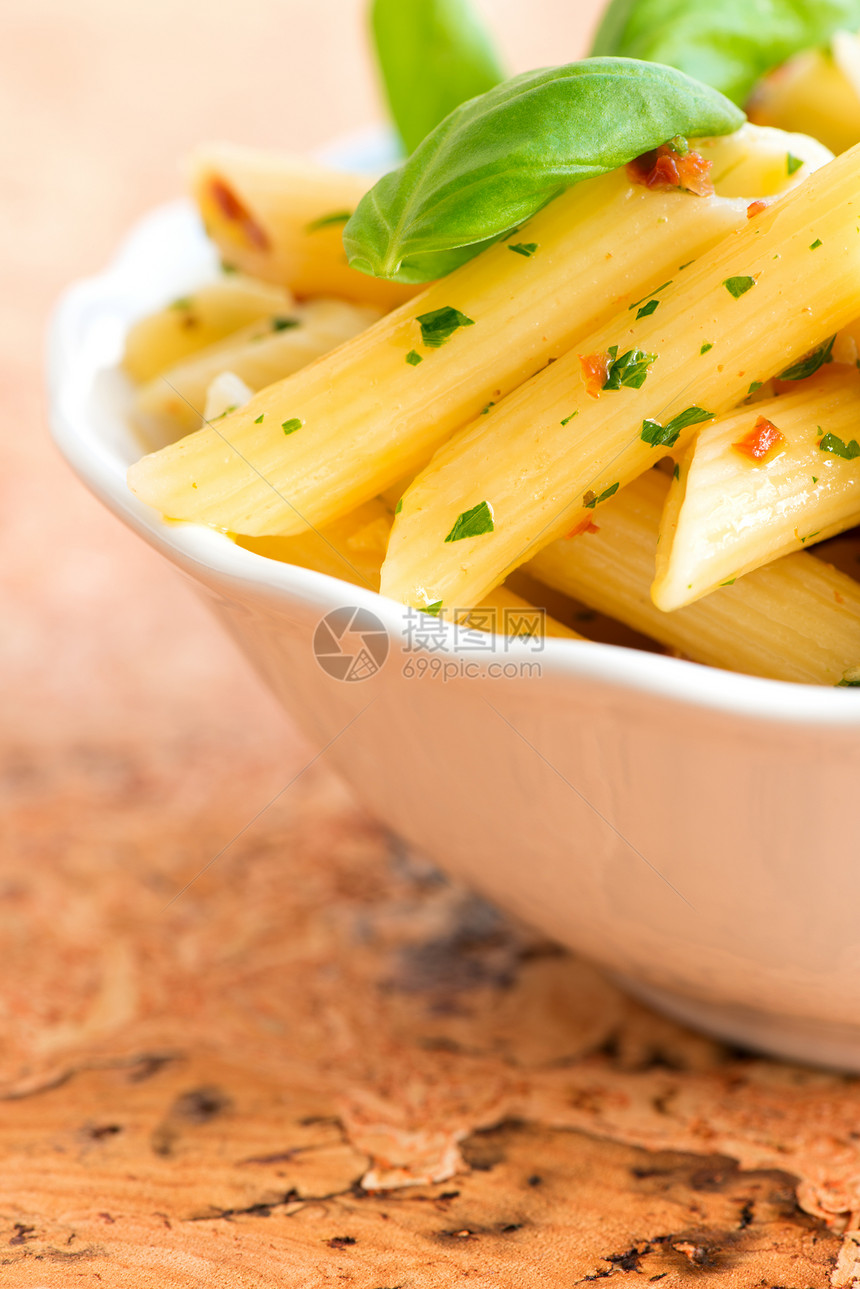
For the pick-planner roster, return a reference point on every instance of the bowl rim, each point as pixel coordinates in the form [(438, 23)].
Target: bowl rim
[(216, 560)]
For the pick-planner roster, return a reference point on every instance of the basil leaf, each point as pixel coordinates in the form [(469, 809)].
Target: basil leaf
[(666, 436), (631, 369), (433, 55), (497, 159), (729, 44), (848, 451)]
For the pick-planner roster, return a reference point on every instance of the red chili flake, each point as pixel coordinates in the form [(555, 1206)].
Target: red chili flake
[(755, 208), (586, 525), (663, 168), (237, 213), (761, 440), (595, 370)]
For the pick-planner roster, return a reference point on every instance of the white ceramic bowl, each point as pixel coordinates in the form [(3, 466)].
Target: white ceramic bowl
[(695, 832)]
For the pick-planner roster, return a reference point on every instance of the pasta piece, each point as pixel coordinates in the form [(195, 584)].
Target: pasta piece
[(281, 218), (353, 548), (172, 404), (225, 394), (817, 91), (192, 322), (758, 484), (562, 444), (797, 619), (394, 394)]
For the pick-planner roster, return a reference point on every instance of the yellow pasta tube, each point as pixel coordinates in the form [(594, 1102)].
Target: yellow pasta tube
[(376, 410), (797, 619), (281, 218), (353, 548), (172, 403), (539, 464), (192, 322), (766, 480), (818, 91)]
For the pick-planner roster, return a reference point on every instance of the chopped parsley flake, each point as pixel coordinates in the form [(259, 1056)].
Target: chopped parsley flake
[(472, 523), (738, 286), (848, 451), (567, 420), (485, 410), (676, 473), (524, 248), (850, 679), (813, 246), (433, 608), (630, 369), (591, 499), (284, 324), (809, 365), (730, 582), (656, 291), (792, 163), (666, 436), (815, 478), (705, 347), (647, 309), (414, 358), (754, 385), (290, 427), (259, 418), (440, 325), (328, 221), (681, 267), (398, 507)]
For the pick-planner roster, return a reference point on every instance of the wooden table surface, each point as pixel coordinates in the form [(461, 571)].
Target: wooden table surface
[(323, 1064)]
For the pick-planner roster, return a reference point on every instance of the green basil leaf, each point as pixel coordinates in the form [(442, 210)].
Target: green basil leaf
[(729, 44), (499, 158), (848, 451), (433, 56), (473, 523), (809, 365)]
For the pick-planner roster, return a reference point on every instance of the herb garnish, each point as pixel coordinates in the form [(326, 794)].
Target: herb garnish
[(328, 221), (398, 507), (676, 473), (810, 364), (630, 369), (433, 608), (290, 427), (848, 451), (738, 286), (440, 324), (284, 324), (647, 309), (754, 385), (666, 436), (813, 246), (414, 358), (656, 291), (524, 248), (705, 347), (590, 499), (184, 302), (259, 418), (568, 419), (472, 523), (792, 163), (485, 410)]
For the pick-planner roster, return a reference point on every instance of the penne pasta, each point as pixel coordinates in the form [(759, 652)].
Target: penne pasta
[(281, 218), (563, 443), (817, 91), (172, 403), (729, 512), (798, 619), (194, 321), (353, 549), (397, 392)]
